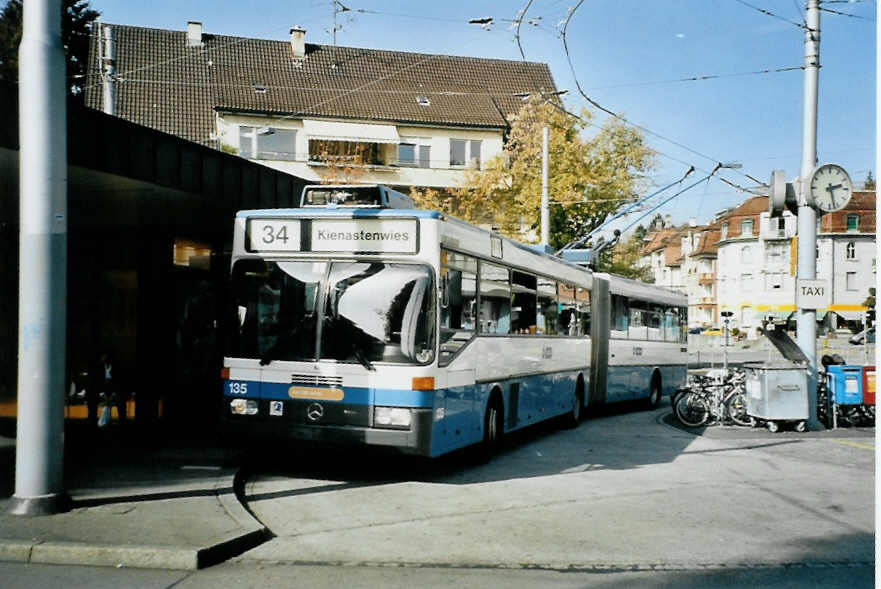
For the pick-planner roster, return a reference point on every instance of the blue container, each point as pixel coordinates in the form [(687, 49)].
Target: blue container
[(845, 384)]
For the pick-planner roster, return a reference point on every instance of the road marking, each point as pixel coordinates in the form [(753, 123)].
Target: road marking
[(862, 445)]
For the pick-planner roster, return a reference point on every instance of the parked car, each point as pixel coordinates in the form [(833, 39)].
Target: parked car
[(713, 331), (865, 336)]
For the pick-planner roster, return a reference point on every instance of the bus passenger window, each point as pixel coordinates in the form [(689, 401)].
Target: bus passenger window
[(620, 315), (637, 329), (583, 298), (523, 303), (654, 318), (567, 318), (495, 299), (458, 301), (546, 321)]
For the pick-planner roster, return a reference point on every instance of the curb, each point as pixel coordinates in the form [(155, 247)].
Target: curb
[(251, 533)]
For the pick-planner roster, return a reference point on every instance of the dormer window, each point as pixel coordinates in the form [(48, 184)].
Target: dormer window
[(853, 222), (260, 88), (746, 228), (423, 100)]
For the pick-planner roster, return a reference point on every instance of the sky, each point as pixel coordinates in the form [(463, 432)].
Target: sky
[(630, 56)]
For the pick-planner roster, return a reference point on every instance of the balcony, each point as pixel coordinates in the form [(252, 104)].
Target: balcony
[(706, 278), (775, 234)]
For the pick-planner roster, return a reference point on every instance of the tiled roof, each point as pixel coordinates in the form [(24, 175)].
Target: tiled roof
[(659, 240), (748, 209), (673, 254), (863, 204), (167, 85), (707, 245)]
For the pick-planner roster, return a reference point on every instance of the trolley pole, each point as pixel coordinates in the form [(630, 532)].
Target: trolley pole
[(42, 293), (806, 319)]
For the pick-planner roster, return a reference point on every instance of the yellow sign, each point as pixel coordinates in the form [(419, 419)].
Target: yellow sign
[(315, 393)]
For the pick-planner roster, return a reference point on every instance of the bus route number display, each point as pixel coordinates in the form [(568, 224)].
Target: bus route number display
[(273, 235)]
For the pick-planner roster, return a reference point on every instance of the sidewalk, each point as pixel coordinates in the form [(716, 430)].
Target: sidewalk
[(154, 501)]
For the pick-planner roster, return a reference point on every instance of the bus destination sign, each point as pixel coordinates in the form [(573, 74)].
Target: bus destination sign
[(394, 236)]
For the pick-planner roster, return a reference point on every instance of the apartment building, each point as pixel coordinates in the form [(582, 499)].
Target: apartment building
[(319, 112), (746, 262)]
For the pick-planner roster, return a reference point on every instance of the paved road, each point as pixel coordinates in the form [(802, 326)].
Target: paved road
[(623, 491)]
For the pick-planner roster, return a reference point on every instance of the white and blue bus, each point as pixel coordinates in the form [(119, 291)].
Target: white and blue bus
[(355, 323)]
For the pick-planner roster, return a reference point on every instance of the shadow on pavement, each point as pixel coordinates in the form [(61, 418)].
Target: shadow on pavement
[(620, 436)]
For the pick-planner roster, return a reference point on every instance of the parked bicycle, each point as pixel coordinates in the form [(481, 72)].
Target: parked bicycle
[(721, 399)]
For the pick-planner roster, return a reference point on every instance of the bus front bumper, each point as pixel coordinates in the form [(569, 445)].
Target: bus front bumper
[(416, 440)]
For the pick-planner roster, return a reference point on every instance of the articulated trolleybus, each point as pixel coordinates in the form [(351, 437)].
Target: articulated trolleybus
[(361, 320)]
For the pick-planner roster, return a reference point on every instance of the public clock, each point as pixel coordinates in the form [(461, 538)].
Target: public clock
[(829, 188)]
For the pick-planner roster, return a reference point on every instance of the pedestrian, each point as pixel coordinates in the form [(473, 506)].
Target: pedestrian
[(105, 382)]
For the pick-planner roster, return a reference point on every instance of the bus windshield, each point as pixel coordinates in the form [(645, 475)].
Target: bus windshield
[(369, 312)]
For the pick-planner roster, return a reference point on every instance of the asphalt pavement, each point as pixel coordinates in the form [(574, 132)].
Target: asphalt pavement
[(172, 500)]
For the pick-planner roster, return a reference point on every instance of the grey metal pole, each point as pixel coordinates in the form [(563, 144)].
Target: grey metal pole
[(42, 262), (108, 78), (806, 319), (545, 205)]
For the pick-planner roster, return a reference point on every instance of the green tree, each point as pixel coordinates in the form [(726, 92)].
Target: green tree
[(588, 177), (76, 21), (623, 259)]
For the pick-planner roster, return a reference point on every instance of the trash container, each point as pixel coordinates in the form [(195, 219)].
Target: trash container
[(845, 384), (868, 385), (777, 390)]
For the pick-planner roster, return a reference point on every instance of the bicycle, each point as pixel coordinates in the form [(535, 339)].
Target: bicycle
[(705, 398)]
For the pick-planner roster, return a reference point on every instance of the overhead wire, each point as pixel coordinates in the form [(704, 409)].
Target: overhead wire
[(800, 25)]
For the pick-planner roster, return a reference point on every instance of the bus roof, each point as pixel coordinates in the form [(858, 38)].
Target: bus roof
[(643, 291)]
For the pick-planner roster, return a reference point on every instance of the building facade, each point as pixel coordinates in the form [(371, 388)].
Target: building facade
[(323, 113), (745, 262)]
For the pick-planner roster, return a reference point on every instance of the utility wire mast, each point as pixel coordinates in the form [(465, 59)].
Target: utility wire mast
[(806, 319), (820, 190)]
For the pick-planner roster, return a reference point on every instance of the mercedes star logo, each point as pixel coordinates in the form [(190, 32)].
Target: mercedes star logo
[(314, 412)]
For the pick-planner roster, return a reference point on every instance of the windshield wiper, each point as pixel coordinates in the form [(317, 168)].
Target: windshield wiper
[(360, 357)]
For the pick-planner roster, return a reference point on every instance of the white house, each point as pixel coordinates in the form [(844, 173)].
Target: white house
[(320, 112)]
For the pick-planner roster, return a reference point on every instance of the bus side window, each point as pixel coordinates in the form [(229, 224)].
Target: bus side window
[(523, 303), (495, 299), (567, 318), (583, 297), (620, 316), (458, 302), (546, 321)]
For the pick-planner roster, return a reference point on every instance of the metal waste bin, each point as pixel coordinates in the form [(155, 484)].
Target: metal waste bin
[(777, 390)]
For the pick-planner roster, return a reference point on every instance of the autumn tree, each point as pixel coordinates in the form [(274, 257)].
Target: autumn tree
[(623, 259), (589, 176), (76, 22)]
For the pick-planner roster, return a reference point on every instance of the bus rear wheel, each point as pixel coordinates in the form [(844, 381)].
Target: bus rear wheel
[(573, 418), (655, 392), (493, 427)]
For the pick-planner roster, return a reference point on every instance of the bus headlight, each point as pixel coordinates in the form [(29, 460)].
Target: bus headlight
[(243, 406), (392, 417)]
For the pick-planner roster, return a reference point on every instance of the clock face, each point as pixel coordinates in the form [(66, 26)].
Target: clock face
[(830, 188)]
